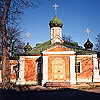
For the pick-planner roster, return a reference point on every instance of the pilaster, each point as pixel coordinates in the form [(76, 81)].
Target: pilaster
[(96, 72), (45, 69), (0, 76), (72, 70), (21, 79)]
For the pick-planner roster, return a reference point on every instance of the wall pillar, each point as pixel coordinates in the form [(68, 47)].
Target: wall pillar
[(72, 70), (21, 79), (45, 70), (96, 75), (0, 76)]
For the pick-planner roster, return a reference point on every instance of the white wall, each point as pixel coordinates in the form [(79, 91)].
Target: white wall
[(45, 70), (72, 70), (0, 77), (21, 79), (96, 74)]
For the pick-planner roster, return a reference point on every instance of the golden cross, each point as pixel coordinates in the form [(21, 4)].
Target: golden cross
[(88, 32), (55, 6)]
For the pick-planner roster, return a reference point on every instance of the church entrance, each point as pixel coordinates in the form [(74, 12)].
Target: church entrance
[(58, 69)]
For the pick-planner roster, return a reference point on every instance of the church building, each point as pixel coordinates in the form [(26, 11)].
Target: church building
[(57, 64)]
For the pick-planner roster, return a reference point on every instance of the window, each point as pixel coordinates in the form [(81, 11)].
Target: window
[(98, 64), (77, 67), (53, 33)]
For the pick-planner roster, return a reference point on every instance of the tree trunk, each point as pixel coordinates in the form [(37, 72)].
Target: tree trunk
[(5, 49)]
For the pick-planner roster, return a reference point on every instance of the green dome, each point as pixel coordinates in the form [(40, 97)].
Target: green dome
[(55, 22)]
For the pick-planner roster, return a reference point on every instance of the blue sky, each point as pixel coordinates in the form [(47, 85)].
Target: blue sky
[(76, 15)]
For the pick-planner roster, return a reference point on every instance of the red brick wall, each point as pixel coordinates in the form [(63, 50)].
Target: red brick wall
[(30, 69), (87, 67)]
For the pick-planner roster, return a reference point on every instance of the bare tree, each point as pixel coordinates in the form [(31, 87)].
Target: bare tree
[(67, 39), (16, 46), (9, 11), (97, 46)]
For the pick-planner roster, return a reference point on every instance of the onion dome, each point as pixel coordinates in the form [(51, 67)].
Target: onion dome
[(27, 48), (55, 22), (88, 45)]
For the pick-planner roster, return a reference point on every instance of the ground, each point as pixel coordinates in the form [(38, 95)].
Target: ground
[(61, 94), (95, 90), (87, 91), (42, 93)]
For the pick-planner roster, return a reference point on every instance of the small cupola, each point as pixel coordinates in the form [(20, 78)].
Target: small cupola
[(56, 30), (55, 22), (88, 45)]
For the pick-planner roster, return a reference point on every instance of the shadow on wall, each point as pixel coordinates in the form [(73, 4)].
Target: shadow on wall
[(62, 94), (40, 69)]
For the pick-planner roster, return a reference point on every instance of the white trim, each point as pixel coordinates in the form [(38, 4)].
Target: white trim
[(80, 66), (96, 75), (58, 81), (31, 82), (94, 55), (96, 80), (12, 69), (0, 76), (84, 55), (21, 79), (30, 56), (13, 80), (83, 80), (57, 39), (45, 70), (63, 52), (54, 47), (72, 70), (95, 62), (27, 83)]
